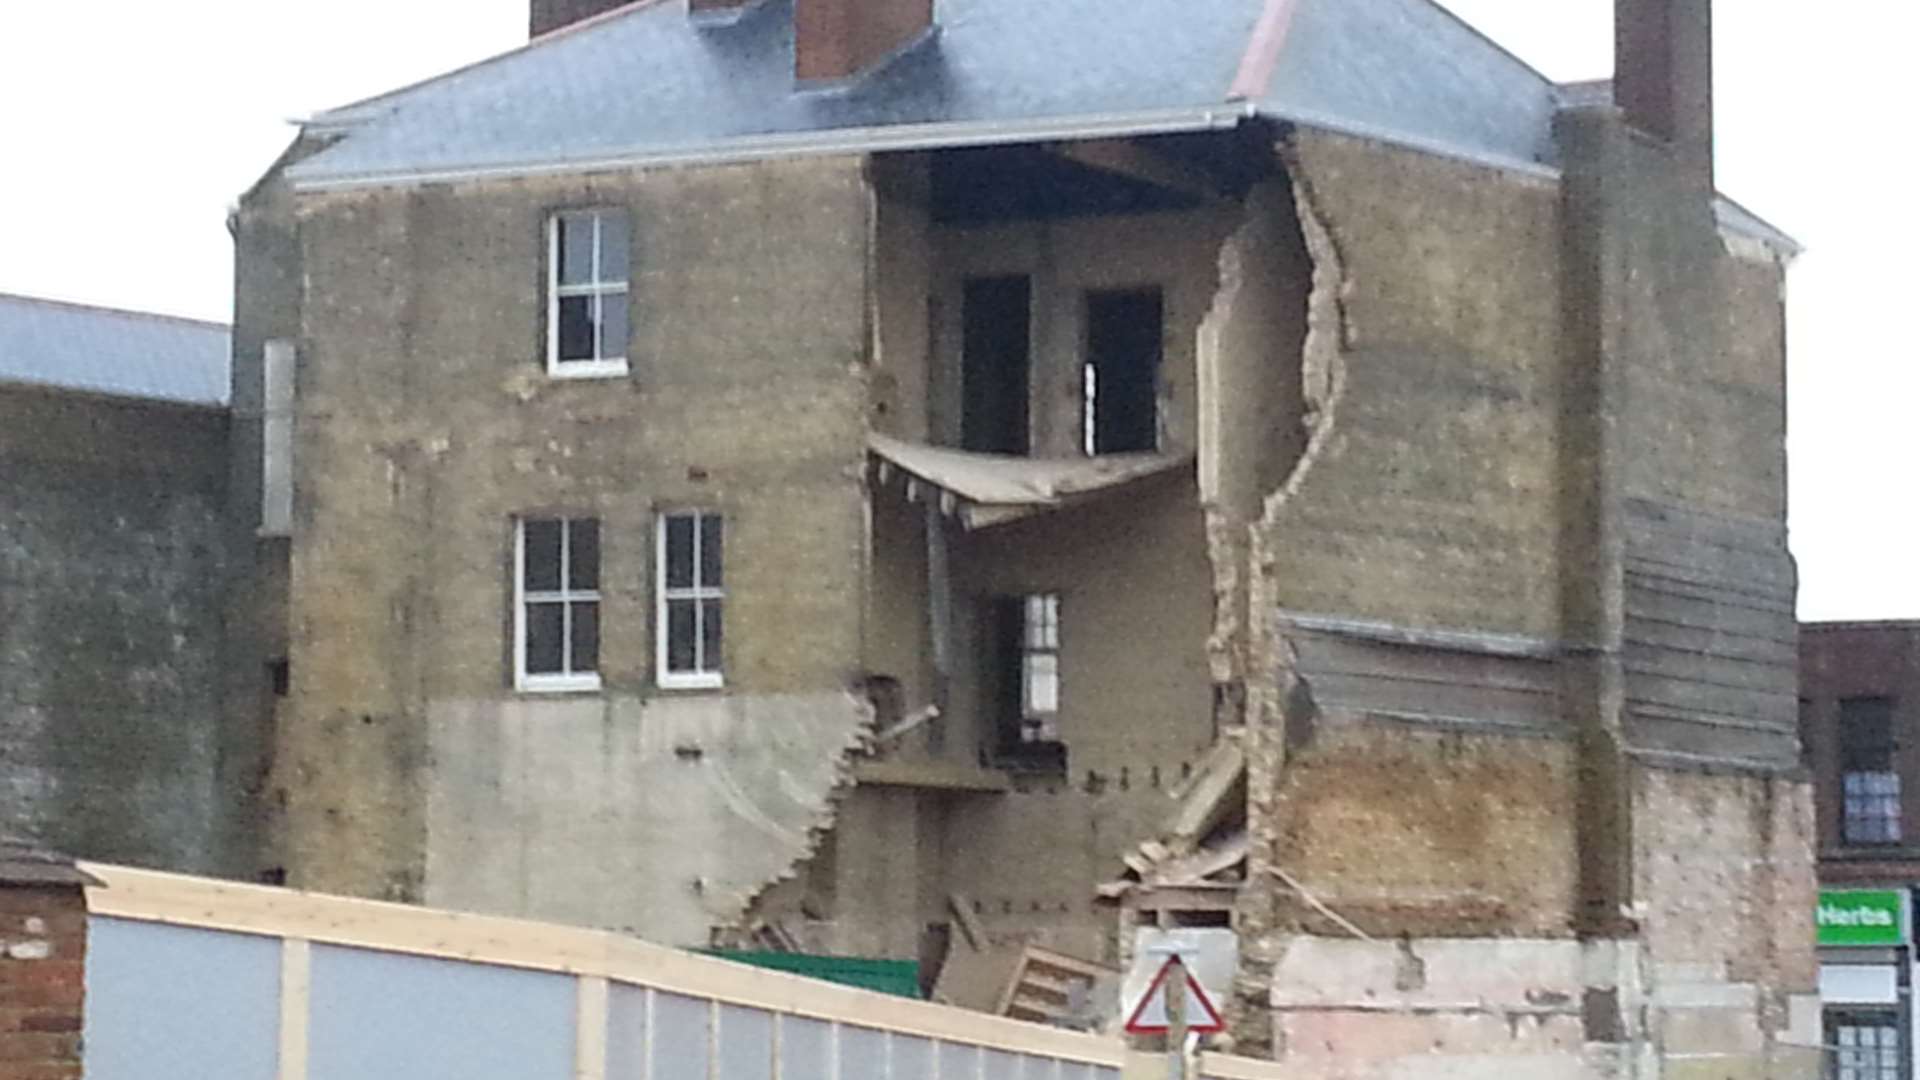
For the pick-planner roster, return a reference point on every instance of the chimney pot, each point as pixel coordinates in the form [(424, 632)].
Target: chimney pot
[(1663, 75)]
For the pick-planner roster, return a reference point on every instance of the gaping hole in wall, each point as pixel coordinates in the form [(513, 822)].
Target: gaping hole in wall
[(1120, 380), (995, 364)]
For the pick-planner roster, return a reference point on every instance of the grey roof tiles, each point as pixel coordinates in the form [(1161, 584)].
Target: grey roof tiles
[(108, 351), (646, 82)]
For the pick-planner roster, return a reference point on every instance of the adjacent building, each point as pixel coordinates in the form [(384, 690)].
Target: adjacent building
[(1860, 724), (944, 481), (113, 481)]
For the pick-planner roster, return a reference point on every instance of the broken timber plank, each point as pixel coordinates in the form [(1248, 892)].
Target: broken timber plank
[(1203, 863), (970, 927), (1209, 802)]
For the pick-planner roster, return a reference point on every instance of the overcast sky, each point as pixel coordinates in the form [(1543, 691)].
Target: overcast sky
[(130, 126)]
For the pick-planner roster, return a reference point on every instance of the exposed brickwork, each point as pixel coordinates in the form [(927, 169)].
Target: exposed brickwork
[(43, 953)]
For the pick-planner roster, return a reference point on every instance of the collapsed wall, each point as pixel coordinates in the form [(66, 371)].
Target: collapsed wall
[(1487, 823)]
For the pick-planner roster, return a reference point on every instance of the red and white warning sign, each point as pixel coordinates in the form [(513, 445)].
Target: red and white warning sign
[(1149, 1017)]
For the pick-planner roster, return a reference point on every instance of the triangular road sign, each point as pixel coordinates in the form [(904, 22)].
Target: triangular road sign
[(1150, 1016)]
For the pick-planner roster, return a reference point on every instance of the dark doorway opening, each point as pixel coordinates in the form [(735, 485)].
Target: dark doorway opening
[(995, 362), (1121, 378)]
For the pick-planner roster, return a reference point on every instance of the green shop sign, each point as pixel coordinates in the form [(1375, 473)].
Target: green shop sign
[(1860, 917)]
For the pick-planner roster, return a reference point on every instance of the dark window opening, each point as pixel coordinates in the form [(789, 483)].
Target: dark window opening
[(1024, 681), (995, 362), (1120, 381), (280, 677), (1869, 780)]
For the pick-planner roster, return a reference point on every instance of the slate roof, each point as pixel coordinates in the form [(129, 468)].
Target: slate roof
[(646, 83), (108, 351)]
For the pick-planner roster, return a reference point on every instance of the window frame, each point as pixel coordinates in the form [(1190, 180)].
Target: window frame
[(1023, 738), (567, 681), (1046, 722), (600, 367), (704, 677), (1869, 829)]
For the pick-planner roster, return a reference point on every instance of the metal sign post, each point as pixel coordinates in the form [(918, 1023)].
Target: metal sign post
[(1176, 1006), (1176, 984)]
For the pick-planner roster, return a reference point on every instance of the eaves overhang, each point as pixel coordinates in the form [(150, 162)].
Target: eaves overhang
[(896, 138)]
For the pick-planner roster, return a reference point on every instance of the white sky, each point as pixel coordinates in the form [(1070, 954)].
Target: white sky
[(140, 121)]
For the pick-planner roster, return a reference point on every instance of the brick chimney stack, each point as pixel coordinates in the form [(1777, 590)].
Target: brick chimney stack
[(1663, 75), (43, 962), (840, 39), (549, 15)]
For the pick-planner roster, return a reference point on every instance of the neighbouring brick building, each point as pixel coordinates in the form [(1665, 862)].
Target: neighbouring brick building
[(113, 481), (43, 959), (1860, 725), (889, 478)]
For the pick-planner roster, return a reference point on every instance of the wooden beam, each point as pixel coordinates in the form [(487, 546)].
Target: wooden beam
[(969, 923), (931, 775), (1128, 159)]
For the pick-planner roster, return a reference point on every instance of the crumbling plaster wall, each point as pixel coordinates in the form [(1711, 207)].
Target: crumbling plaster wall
[(111, 562), (427, 423)]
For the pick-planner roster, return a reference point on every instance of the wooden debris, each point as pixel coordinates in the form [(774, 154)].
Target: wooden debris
[(1051, 987), (1204, 863), (1211, 800)]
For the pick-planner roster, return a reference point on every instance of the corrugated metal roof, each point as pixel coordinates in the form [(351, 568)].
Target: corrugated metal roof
[(648, 83), (108, 351)]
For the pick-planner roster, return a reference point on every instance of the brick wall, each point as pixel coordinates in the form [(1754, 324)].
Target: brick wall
[(43, 953)]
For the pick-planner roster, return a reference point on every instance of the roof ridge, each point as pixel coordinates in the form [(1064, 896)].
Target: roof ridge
[(1264, 45), (591, 22), (80, 305)]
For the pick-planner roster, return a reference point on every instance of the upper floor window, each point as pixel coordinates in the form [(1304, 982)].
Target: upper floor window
[(690, 595), (1869, 778), (588, 320), (556, 626)]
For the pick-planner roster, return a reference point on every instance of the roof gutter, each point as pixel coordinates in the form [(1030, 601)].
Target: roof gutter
[(866, 140)]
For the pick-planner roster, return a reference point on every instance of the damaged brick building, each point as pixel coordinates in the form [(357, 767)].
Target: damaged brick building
[(848, 470)]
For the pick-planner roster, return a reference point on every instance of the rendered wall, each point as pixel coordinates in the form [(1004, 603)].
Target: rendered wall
[(111, 558)]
